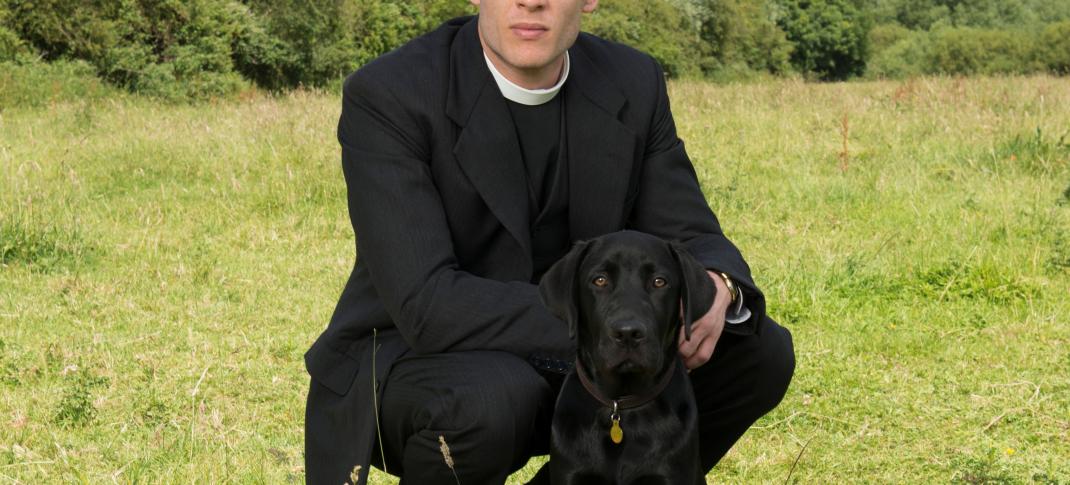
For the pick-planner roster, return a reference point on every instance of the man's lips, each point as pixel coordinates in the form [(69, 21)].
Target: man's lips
[(528, 31)]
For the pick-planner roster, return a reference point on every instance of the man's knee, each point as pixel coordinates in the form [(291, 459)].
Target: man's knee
[(775, 368), (505, 394), (486, 415)]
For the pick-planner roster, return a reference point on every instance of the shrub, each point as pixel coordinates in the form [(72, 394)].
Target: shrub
[(657, 27), (920, 14), (829, 37), (11, 46), (318, 42), (1053, 50), (884, 36), (299, 42), (77, 407), (36, 83), (168, 48), (908, 57), (741, 35), (964, 51)]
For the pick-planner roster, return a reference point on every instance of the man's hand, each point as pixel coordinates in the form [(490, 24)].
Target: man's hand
[(706, 331)]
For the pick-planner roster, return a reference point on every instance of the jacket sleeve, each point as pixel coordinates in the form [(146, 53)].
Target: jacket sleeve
[(405, 243), (670, 204)]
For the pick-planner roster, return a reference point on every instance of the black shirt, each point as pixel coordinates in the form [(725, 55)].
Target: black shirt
[(540, 129)]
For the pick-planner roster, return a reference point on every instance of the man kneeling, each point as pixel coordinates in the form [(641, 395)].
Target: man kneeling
[(474, 156)]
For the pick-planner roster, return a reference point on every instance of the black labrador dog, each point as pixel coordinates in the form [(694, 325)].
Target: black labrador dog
[(626, 414)]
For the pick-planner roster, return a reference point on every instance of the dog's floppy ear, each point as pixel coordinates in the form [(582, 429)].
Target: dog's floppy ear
[(558, 287), (696, 290)]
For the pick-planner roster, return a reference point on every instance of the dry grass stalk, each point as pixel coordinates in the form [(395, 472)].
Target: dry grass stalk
[(354, 476), (796, 462), (375, 398), (445, 449)]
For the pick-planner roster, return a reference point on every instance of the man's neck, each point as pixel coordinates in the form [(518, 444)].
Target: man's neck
[(519, 94), (542, 78)]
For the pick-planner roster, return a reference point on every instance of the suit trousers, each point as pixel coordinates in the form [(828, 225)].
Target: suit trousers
[(493, 410)]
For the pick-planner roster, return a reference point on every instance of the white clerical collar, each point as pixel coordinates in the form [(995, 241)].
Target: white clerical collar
[(529, 97)]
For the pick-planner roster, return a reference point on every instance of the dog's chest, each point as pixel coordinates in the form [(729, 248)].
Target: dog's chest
[(656, 438)]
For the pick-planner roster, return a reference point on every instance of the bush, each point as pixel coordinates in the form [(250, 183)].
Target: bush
[(829, 36), (299, 42), (11, 46), (1053, 50), (657, 27), (907, 57), (36, 83), (884, 36), (318, 42), (169, 48), (195, 49), (965, 51), (741, 36)]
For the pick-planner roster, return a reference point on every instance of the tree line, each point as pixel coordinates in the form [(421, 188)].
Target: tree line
[(214, 48)]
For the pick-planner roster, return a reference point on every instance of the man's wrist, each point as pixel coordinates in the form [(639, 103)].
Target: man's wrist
[(736, 312)]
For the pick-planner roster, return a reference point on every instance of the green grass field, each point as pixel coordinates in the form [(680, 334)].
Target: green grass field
[(164, 268)]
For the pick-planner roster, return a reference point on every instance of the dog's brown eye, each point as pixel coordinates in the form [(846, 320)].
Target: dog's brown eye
[(600, 281), (660, 282)]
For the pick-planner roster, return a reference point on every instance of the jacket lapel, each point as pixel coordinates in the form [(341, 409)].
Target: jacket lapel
[(601, 150), (487, 147)]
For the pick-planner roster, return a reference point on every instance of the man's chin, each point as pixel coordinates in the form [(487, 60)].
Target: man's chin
[(532, 62)]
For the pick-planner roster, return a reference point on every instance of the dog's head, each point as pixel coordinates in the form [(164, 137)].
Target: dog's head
[(624, 296)]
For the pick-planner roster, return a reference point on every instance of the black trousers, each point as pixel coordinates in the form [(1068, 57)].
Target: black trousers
[(493, 410)]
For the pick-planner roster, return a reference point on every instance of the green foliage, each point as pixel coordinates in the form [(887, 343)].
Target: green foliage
[(318, 42), (300, 43), (168, 48), (951, 280), (969, 51), (965, 50), (40, 245), (204, 49), (1053, 49), (211, 48), (830, 36), (36, 83), (921, 14), (991, 14), (657, 27), (988, 469), (1036, 152), (906, 58), (77, 407), (883, 36), (741, 36), (9, 371), (11, 46)]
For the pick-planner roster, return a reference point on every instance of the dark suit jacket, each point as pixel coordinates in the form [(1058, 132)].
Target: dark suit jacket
[(438, 200)]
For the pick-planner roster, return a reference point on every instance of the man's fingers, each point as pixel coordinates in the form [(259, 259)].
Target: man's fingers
[(699, 339), (705, 351), (687, 347), (701, 355)]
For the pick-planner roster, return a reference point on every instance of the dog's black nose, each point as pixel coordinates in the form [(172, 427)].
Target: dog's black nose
[(627, 332)]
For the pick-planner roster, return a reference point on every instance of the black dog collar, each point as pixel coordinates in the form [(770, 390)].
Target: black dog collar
[(624, 402)]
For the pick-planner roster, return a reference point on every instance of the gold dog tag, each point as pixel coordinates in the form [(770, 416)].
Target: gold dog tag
[(615, 433)]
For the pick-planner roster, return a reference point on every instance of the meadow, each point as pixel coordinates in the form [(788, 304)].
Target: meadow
[(164, 267)]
